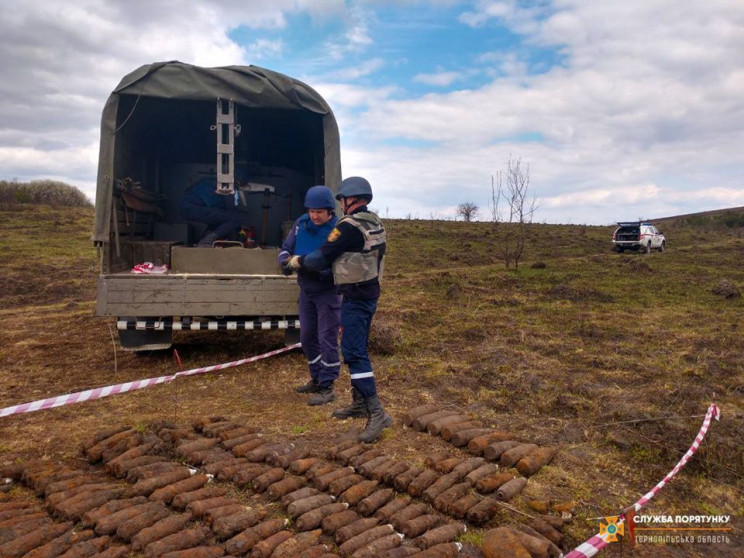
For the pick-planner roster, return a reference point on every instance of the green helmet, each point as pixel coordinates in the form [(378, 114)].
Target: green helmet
[(354, 187)]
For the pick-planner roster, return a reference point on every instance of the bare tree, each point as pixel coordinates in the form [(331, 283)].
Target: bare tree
[(511, 210), (467, 210)]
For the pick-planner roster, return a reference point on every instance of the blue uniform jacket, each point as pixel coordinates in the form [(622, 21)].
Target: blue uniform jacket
[(304, 238)]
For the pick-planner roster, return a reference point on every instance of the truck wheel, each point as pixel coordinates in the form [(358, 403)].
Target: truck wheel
[(291, 337), (149, 340), (647, 248), (662, 247)]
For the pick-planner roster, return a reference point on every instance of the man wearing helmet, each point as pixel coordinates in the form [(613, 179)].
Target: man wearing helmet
[(319, 304), (355, 251)]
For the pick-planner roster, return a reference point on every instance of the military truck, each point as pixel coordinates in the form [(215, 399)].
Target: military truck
[(165, 126)]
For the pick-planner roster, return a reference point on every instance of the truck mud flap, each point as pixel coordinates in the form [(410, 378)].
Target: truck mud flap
[(149, 340)]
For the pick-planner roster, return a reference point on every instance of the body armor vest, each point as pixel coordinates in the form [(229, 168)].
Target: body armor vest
[(354, 268)]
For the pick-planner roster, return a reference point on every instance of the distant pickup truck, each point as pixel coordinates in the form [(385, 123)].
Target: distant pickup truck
[(638, 236)]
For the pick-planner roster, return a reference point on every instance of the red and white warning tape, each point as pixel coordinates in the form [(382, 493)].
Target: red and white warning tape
[(98, 393), (599, 541)]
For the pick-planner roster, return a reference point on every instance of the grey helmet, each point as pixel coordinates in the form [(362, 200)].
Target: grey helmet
[(354, 187)]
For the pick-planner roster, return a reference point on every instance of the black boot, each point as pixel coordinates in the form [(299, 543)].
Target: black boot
[(357, 409), (378, 420), (310, 387), (324, 395)]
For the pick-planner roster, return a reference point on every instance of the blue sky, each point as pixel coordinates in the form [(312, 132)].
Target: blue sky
[(621, 109)]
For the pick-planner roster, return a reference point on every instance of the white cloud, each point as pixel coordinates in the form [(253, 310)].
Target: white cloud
[(440, 79), (355, 72)]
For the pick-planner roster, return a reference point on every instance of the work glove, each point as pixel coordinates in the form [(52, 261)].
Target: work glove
[(285, 269), (293, 263)]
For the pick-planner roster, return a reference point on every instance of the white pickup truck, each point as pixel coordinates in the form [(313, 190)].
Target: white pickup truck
[(638, 236)]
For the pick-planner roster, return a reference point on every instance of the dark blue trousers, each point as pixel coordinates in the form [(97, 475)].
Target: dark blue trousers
[(223, 222), (356, 321), (320, 315)]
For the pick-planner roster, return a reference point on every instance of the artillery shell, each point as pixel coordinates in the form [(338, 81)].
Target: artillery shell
[(446, 465), (212, 429), (502, 543), (68, 484), (420, 524), (184, 499), (324, 481), (509, 489), (468, 466), (197, 552), (262, 453), (510, 457), (554, 521), (75, 507), (245, 448), (422, 482), (553, 550), (109, 524), (233, 433), (76, 494), (443, 502), (377, 547), (175, 436), (439, 486), (536, 460), (321, 468), (227, 472), (205, 457), (301, 466), (295, 546), (200, 423), (403, 480), (147, 517), (17, 526), (462, 437), (232, 443), (397, 468), (402, 552), (341, 446), (152, 470), (199, 508), (297, 508), (248, 473), (284, 460), (145, 487), (358, 492), (537, 547), (416, 412), (342, 484), (312, 519), (362, 539), (90, 518), (442, 550), (95, 453), (369, 466), (482, 512), (84, 549), (459, 508), (168, 492), (450, 430), (434, 458), (214, 514), (243, 542), (299, 495), (219, 466), (444, 534), (392, 507), (353, 529), (379, 472), (60, 544), (359, 460), (100, 436), (181, 540), (547, 531), (373, 502), (263, 481), (114, 551), (120, 468), (346, 455), (477, 445), (494, 451), (481, 472), (160, 529), (266, 547), (25, 543), (186, 448), (315, 551), (435, 427), (228, 526), (285, 486), (333, 522), (420, 423)]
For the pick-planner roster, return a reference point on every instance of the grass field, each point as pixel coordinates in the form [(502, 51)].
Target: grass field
[(612, 357)]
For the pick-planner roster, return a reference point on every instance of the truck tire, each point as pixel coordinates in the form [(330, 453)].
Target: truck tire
[(149, 340), (647, 248), (662, 247)]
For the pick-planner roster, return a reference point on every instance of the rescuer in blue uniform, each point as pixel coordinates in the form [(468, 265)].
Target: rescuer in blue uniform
[(219, 212), (319, 304), (355, 250)]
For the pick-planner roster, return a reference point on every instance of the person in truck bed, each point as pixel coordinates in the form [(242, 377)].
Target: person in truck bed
[(202, 204), (319, 304)]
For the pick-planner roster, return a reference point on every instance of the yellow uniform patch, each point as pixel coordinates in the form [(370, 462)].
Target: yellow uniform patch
[(335, 233)]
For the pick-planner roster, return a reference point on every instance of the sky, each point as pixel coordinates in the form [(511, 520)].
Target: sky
[(617, 110)]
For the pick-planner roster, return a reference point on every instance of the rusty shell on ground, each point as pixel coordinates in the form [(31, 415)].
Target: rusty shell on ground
[(509, 489), (324, 481), (358, 492), (341, 485), (420, 524), (404, 479), (333, 452), (227, 472), (211, 551), (439, 486), (362, 539), (137, 451), (120, 468), (218, 467), (482, 472), (73, 495), (482, 512), (296, 545), (420, 423), (491, 483), (536, 460), (25, 543), (301, 466), (468, 466), (377, 547), (248, 473), (263, 481), (402, 552), (422, 482), (442, 550), (419, 411), (462, 437), (152, 470), (188, 538), (114, 551), (160, 529), (511, 456), (214, 514), (502, 543), (553, 550), (266, 547), (435, 427), (395, 469), (446, 465), (349, 453), (205, 457), (379, 472), (262, 452), (200, 423), (443, 502), (298, 507), (199, 508), (85, 549), (17, 526), (232, 443), (109, 524), (373, 502), (145, 487), (538, 547), (228, 526), (170, 491), (392, 507), (126, 439), (314, 518), (438, 535), (477, 445), (554, 521), (494, 451), (186, 448), (283, 460), (460, 507), (90, 518), (362, 458), (431, 460), (245, 448), (285, 486), (333, 522), (234, 433), (315, 551), (321, 468), (103, 435), (299, 495), (60, 544), (185, 498), (450, 430), (354, 528), (212, 429), (175, 436), (75, 507), (547, 531), (147, 517), (243, 542)]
